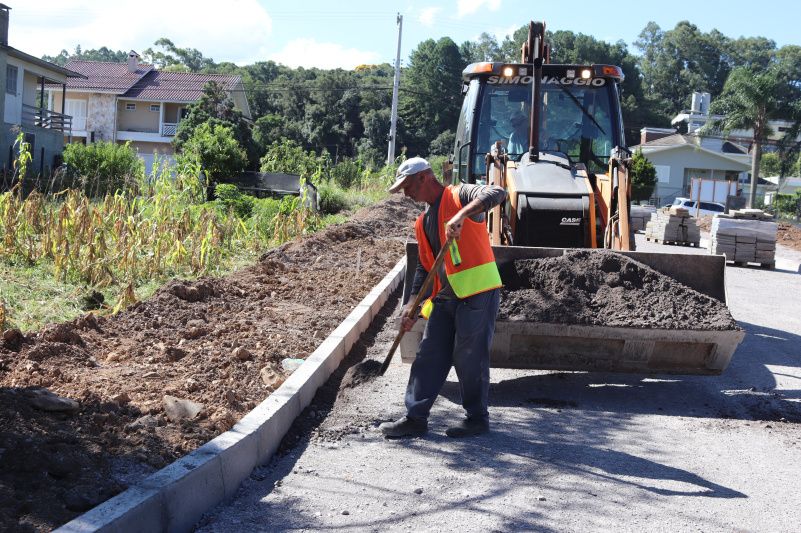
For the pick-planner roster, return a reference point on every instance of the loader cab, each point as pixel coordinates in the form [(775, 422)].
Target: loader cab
[(579, 114)]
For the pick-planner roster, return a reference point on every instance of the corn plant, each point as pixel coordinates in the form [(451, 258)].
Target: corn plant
[(120, 239)]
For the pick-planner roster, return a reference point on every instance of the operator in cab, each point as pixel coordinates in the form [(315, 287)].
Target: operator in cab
[(463, 304)]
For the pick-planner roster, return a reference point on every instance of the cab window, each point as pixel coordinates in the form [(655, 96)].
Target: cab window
[(575, 120)]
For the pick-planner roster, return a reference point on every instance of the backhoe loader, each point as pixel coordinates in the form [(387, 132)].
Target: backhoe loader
[(552, 136)]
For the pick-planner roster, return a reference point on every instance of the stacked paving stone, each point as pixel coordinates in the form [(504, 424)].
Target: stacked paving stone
[(640, 215), (673, 225), (745, 236)]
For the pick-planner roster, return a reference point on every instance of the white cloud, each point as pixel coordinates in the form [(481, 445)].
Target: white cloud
[(468, 7), (310, 53), (236, 31), (427, 15), (502, 33)]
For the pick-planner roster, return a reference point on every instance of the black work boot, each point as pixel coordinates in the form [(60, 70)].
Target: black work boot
[(405, 427), (468, 428)]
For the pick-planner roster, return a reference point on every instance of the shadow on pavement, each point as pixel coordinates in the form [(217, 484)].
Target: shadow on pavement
[(747, 389)]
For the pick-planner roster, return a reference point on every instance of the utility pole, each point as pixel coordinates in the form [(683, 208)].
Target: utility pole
[(393, 126)]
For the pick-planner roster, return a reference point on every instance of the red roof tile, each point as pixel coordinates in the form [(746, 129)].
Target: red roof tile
[(177, 86), (104, 76)]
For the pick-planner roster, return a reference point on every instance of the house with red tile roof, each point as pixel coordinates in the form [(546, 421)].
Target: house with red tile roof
[(135, 102)]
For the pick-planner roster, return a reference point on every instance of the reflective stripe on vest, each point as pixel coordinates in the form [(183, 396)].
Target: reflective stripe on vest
[(473, 274)]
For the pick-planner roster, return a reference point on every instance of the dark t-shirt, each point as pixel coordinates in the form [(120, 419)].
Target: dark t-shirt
[(489, 195)]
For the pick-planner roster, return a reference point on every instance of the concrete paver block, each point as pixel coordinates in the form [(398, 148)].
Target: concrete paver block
[(189, 486), (135, 509), (238, 453)]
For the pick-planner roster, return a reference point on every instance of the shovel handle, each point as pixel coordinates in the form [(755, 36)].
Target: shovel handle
[(427, 283)]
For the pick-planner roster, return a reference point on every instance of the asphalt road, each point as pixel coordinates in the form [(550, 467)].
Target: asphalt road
[(567, 451)]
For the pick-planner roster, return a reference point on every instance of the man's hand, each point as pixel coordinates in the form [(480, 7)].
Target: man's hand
[(408, 322), (453, 228)]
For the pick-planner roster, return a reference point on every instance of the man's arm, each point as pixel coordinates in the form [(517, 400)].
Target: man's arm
[(481, 198)]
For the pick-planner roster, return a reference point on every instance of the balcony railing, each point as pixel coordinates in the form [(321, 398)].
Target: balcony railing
[(44, 118), (168, 129)]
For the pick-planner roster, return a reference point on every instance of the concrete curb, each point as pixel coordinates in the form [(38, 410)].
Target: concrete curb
[(175, 497)]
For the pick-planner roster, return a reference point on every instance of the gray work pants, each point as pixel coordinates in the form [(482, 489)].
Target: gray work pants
[(459, 334)]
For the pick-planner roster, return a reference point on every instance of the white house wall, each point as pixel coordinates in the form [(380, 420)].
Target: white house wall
[(683, 157)]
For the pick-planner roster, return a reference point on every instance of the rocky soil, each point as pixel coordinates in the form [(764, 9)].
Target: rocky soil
[(91, 406), (602, 288)]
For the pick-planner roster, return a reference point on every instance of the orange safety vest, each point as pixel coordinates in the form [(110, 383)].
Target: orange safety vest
[(469, 265)]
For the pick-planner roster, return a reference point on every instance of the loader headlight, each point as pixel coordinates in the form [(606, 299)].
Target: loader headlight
[(586, 74), (508, 72)]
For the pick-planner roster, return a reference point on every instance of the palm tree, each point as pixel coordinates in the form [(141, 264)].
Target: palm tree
[(749, 99)]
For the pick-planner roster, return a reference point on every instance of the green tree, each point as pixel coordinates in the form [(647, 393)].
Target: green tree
[(643, 177), (268, 130), (770, 165), (331, 119), (677, 62), (431, 92), (215, 148), (101, 54), (485, 48), (510, 47), (289, 157), (443, 143), (214, 107), (171, 57), (749, 100)]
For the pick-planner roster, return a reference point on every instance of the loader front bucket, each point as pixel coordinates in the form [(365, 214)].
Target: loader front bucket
[(550, 346)]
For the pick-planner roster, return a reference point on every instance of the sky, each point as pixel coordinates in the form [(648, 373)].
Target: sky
[(315, 33)]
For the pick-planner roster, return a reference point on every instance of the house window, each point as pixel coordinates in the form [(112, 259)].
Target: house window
[(155, 107), (130, 107), (662, 173), (11, 79)]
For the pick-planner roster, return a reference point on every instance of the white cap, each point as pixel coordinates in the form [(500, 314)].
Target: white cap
[(408, 168)]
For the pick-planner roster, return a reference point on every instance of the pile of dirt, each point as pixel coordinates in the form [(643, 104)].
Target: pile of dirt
[(91, 406), (789, 235), (603, 288)]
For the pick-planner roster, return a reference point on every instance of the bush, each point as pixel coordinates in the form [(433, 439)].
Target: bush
[(230, 197), (643, 177), (332, 199), (788, 204), (215, 149), (102, 168), (263, 215), (347, 173), (290, 158), (443, 143)]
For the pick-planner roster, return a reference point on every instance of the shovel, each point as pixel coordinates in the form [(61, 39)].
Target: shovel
[(429, 281)]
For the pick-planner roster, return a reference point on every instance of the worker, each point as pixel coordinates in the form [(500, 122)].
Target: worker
[(463, 304), (518, 140)]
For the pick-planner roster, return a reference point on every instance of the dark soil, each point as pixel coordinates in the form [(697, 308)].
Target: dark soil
[(217, 341), (602, 288), (361, 373)]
